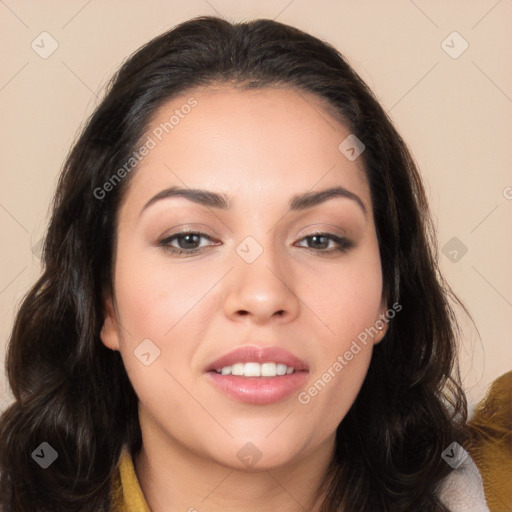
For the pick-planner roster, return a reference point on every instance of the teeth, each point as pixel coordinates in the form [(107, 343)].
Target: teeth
[(281, 369), (268, 369), (237, 369), (256, 369), (252, 370)]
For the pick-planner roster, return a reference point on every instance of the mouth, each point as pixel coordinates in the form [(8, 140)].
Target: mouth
[(258, 375)]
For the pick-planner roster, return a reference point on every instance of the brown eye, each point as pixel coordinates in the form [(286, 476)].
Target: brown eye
[(187, 242), (320, 242)]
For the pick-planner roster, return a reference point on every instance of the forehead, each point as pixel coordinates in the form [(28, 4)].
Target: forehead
[(269, 142)]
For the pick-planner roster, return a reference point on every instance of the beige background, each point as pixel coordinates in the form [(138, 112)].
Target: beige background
[(455, 114)]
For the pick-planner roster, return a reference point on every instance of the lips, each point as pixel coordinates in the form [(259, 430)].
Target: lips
[(259, 390), (251, 354)]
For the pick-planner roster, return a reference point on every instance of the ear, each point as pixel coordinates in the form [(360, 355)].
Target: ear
[(381, 322), (109, 333)]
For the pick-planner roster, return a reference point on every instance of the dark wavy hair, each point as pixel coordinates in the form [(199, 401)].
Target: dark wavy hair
[(74, 393)]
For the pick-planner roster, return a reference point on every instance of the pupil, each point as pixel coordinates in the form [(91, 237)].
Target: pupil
[(317, 237), (187, 239)]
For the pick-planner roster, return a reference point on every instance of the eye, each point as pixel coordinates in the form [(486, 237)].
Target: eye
[(322, 240), (187, 242)]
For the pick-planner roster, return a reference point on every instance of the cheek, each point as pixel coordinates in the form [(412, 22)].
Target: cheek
[(333, 390), (160, 315), (345, 298), (348, 302), (153, 295), (167, 305)]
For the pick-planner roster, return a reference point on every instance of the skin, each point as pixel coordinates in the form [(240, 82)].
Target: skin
[(260, 148)]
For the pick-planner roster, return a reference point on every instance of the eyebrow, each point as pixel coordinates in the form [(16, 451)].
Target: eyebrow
[(223, 202)]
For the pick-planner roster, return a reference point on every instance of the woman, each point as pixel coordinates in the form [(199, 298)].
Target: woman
[(240, 299)]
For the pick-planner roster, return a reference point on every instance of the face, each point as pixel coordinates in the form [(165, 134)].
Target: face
[(288, 278)]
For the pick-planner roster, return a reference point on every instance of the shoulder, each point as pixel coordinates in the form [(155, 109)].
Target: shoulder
[(463, 490)]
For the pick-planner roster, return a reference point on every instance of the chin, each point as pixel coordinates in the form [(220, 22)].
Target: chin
[(258, 455)]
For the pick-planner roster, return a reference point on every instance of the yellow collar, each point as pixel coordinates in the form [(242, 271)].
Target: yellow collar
[(127, 495)]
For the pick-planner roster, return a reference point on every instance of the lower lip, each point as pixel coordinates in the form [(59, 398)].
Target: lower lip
[(258, 390)]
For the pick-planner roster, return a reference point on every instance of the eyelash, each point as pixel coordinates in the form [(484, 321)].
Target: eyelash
[(344, 243)]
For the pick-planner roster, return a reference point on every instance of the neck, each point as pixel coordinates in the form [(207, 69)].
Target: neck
[(174, 478)]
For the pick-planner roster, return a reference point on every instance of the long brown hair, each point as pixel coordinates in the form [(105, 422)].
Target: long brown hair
[(73, 393)]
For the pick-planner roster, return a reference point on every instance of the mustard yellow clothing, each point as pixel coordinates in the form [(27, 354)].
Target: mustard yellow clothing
[(491, 443), (126, 492)]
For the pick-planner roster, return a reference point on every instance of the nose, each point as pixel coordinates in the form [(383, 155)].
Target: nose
[(262, 291)]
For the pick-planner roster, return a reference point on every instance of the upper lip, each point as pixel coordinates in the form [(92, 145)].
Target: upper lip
[(254, 354)]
